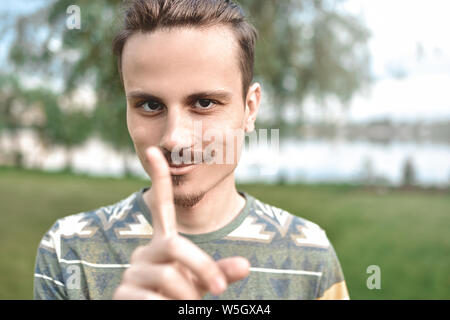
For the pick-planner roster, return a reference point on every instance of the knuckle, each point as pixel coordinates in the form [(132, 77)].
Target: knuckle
[(171, 246), (211, 272), (120, 293), (128, 275), (210, 268), (166, 274), (137, 254)]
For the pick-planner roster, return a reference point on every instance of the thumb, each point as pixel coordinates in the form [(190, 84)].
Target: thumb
[(234, 268)]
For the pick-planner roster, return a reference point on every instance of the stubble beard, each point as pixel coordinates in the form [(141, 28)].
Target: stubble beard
[(190, 200), (185, 200)]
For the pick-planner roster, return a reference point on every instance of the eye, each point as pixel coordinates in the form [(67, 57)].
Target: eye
[(204, 103), (151, 106)]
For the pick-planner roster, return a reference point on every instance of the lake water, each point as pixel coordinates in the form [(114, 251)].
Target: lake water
[(343, 161), (295, 160)]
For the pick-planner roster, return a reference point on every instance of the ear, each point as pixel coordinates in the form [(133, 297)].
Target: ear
[(252, 106)]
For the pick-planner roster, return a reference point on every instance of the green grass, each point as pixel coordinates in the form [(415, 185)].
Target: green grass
[(406, 233)]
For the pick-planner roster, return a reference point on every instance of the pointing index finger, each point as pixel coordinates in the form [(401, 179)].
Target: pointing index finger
[(161, 195)]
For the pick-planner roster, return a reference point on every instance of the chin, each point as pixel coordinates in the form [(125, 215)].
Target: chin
[(192, 187), (187, 196)]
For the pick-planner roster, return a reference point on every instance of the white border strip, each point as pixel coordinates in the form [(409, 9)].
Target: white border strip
[(94, 265), (309, 273), (266, 270), (48, 278)]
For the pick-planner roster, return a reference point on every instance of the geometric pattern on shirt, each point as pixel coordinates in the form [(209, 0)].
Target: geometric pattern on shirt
[(139, 229), (69, 227), (310, 235), (249, 230), (115, 212), (277, 217)]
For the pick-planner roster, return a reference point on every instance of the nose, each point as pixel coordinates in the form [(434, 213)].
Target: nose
[(178, 131)]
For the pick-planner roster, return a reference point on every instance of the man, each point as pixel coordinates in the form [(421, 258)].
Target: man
[(187, 69)]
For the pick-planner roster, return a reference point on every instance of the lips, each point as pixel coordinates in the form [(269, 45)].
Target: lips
[(182, 161), (172, 165), (180, 169)]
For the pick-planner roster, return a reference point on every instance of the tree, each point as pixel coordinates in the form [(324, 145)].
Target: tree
[(9, 119), (408, 173), (64, 128), (306, 48)]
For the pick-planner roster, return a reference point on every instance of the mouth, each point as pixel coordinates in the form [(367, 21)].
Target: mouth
[(180, 169), (173, 165)]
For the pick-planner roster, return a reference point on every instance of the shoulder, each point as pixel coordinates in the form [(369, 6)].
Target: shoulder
[(285, 225), (99, 218), (98, 222), (285, 240)]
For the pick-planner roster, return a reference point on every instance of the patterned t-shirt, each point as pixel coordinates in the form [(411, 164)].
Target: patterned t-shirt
[(83, 256)]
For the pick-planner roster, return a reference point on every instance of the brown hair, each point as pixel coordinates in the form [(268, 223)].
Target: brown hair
[(150, 15)]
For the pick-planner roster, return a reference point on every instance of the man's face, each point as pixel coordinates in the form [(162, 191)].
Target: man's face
[(181, 84)]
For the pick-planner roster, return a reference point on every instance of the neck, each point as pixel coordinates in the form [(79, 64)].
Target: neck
[(218, 207)]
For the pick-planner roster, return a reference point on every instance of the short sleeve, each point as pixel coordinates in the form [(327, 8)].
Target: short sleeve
[(332, 283), (48, 278)]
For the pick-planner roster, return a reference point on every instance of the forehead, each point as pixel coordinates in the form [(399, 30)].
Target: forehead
[(182, 58)]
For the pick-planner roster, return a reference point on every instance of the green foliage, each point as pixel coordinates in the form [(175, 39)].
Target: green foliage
[(9, 90), (306, 48), (9, 117), (59, 128)]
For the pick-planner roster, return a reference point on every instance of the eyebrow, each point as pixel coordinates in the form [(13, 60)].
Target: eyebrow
[(217, 94)]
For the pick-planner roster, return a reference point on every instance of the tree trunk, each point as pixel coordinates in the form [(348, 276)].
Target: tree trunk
[(69, 166), (17, 152), (127, 172)]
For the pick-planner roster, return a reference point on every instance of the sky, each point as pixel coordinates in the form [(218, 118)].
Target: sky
[(409, 39)]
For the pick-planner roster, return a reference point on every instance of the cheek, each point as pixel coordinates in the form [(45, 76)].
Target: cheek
[(142, 132), (236, 138), (131, 123), (226, 139)]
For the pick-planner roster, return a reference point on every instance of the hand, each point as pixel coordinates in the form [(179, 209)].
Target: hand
[(171, 266)]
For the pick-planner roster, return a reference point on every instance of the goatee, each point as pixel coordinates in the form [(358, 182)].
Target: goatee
[(188, 200), (185, 200)]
